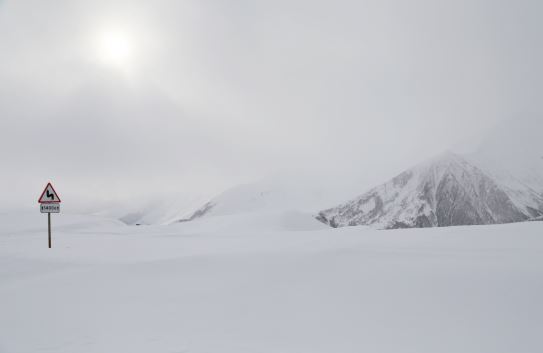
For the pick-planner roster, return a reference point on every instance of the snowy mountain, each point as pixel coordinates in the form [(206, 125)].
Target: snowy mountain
[(274, 195), (448, 190)]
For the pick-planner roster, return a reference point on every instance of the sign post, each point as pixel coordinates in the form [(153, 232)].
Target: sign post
[(49, 228), (49, 203)]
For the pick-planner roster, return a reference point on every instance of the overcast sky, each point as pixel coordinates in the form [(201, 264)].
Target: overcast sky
[(115, 98)]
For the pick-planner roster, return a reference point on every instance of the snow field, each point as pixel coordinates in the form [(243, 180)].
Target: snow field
[(267, 282)]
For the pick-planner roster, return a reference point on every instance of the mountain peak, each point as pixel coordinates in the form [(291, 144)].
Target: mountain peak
[(446, 190)]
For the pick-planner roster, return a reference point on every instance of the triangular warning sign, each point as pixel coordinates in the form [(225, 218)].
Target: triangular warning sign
[(49, 195)]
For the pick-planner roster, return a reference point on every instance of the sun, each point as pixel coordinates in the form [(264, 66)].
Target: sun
[(115, 47)]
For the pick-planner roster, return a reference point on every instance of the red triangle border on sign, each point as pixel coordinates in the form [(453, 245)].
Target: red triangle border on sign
[(44, 190)]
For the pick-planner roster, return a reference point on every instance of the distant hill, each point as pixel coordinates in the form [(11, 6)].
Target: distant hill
[(264, 196)]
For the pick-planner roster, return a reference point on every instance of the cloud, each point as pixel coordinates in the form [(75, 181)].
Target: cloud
[(225, 92)]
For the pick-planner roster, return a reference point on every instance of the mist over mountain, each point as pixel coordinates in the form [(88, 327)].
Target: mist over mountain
[(271, 195), (500, 181)]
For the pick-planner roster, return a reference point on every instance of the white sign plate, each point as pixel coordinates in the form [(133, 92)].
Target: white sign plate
[(50, 208)]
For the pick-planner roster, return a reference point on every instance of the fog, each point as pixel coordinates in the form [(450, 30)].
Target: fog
[(120, 99)]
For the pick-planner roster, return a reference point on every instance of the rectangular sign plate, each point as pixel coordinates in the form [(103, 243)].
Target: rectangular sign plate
[(50, 208)]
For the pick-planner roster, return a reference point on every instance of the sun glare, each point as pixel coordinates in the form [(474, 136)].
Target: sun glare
[(115, 48)]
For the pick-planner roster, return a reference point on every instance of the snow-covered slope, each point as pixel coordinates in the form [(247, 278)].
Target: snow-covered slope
[(201, 287), (512, 154), (266, 196), (161, 209), (448, 190), (522, 182)]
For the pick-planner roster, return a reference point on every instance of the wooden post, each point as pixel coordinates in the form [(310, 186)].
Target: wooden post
[(49, 227)]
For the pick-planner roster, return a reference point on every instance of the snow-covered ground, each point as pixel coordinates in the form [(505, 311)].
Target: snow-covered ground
[(272, 282)]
